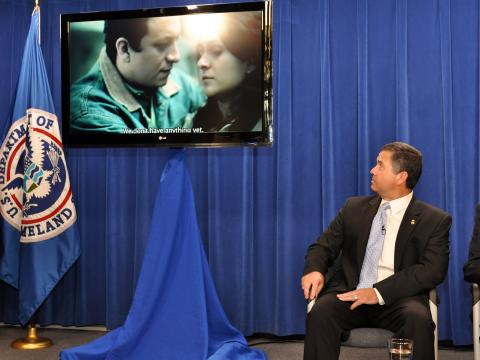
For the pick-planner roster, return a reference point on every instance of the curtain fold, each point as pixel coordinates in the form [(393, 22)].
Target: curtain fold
[(349, 76)]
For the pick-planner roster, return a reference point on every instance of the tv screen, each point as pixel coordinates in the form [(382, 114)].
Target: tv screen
[(197, 75)]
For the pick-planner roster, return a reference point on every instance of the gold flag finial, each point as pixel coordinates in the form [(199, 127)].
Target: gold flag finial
[(37, 8)]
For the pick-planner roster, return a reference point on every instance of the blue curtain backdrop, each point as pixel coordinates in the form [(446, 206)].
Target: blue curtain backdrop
[(350, 75)]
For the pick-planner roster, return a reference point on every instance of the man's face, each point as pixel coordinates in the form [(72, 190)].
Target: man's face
[(150, 66), (384, 178)]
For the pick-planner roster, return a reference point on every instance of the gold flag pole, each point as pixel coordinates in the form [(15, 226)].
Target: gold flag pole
[(31, 341)]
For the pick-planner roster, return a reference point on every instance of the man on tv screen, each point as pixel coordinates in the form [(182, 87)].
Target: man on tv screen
[(133, 84)]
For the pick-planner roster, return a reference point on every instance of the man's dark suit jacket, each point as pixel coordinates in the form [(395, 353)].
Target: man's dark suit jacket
[(471, 270), (421, 249)]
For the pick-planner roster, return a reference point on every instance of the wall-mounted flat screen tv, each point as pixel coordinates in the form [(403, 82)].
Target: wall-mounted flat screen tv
[(198, 75)]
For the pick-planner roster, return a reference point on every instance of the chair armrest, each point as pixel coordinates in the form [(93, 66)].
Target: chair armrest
[(433, 296), (310, 304), (475, 294)]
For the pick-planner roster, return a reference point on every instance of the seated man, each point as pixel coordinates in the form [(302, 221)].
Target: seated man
[(393, 248), (471, 270), (133, 85)]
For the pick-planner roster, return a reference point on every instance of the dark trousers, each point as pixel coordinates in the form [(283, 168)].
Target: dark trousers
[(407, 318)]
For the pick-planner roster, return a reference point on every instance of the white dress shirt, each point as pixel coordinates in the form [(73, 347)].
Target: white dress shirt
[(394, 219)]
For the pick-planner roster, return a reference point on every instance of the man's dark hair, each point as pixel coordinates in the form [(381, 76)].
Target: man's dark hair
[(131, 29), (405, 158)]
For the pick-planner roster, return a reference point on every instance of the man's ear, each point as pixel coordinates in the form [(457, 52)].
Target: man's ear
[(402, 177), (123, 49)]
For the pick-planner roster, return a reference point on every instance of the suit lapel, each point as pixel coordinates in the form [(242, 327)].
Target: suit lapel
[(409, 222), (366, 219)]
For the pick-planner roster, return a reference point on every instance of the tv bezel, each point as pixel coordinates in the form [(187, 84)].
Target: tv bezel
[(205, 139)]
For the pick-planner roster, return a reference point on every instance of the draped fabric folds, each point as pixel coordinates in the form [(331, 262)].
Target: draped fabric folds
[(349, 76), (176, 313)]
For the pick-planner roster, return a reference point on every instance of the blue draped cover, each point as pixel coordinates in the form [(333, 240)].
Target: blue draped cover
[(176, 313)]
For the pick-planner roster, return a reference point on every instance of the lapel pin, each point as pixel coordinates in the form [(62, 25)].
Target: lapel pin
[(412, 222)]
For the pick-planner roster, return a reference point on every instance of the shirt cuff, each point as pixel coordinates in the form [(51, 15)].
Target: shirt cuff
[(379, 297)]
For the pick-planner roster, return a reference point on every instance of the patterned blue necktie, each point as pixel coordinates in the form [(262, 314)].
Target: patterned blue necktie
[(368, 275)]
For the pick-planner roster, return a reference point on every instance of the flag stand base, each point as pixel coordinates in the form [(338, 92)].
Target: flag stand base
[(31, 341)]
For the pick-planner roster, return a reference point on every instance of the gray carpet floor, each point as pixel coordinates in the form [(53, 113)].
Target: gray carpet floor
[(291, 350)]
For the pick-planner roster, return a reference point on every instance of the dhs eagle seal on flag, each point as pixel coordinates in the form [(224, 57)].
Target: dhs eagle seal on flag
[(36, 197)]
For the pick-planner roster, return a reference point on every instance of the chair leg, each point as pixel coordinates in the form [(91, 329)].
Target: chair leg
[(434, 311), (476, 332)]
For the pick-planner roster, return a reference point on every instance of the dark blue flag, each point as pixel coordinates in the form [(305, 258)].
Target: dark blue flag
[(39, 236), (176, 313)]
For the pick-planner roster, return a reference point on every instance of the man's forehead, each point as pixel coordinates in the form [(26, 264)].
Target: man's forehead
[(384, 156)]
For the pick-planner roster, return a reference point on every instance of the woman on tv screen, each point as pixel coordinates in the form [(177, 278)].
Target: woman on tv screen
[(229, 66)]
